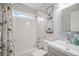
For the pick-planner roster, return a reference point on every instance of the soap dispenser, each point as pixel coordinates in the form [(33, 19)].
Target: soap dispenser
[(76, 41)]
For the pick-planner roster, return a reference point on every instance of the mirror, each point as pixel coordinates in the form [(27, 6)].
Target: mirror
[(70, 18)]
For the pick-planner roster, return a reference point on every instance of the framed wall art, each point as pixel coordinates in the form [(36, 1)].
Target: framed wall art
[(49, 19)]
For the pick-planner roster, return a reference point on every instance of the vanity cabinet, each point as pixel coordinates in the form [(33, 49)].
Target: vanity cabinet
[(52, 51)]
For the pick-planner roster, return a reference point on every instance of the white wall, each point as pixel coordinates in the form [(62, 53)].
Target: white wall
[(24, 34), (40, 27), (75, 21)]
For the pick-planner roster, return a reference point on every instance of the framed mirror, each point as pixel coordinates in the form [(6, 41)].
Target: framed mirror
[(70, 18)]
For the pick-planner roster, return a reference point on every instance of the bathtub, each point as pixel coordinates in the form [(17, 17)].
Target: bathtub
[(33, 52), (30, 51), (27, 52)]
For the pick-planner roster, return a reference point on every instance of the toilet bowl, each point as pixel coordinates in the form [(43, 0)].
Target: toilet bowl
[(39, 52)]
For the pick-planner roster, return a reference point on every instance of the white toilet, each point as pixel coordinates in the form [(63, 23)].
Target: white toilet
[(41, 52)]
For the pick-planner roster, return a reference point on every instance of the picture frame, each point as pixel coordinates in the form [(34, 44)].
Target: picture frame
[(49, 19), (49, 13)]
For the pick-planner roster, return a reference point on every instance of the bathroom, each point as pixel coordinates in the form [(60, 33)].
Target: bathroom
[(39, 29)]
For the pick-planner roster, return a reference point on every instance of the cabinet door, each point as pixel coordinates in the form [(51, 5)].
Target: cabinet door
[(51, 52), (54, 52)]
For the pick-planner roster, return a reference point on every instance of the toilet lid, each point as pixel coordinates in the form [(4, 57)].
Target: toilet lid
[(39, 52)]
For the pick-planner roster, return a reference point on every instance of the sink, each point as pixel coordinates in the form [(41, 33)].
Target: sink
[(64, 47)]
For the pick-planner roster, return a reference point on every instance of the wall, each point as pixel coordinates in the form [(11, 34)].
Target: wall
[(24, 34), (40, 27), (75, 21)]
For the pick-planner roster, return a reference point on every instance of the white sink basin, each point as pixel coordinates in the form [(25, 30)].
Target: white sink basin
[(65, 47)]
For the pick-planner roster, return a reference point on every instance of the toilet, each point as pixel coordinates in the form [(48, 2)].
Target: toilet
[(39, 52)]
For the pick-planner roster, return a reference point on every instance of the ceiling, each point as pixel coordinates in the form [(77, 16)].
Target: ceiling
[(31, 8), (39, 6)]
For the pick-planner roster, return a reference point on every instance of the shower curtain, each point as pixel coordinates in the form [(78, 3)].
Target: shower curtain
[(6, 30)]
